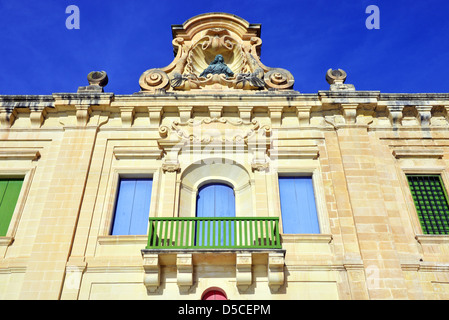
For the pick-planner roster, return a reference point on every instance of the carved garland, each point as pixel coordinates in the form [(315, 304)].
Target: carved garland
[(214, 131), (194, 131)]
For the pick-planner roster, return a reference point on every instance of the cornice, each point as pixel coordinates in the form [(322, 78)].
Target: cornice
[(344, 109)]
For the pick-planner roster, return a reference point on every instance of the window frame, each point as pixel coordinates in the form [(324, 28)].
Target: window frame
[(214, 182), (403, 171), (27, 176), (113, 222), (195, 176), (318, 189), (113, 189), (416, 217)]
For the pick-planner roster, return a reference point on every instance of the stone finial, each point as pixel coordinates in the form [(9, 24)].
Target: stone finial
[(336, 78), (97, 81), (98, 78)]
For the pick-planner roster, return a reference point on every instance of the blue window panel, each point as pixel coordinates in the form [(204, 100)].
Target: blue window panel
[(216, 200), (133, 207), (298, 208)]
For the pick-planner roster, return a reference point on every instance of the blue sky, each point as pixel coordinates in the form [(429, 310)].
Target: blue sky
[(409, 53)]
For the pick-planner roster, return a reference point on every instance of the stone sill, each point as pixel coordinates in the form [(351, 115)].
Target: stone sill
[(123, 240), (306, 238)]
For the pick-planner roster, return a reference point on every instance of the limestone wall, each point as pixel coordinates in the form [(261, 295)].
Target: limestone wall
[(358, 146)]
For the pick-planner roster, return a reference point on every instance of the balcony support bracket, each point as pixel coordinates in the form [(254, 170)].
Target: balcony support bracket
[(152, 274), (275, 270), (184, 265), (244, 276)]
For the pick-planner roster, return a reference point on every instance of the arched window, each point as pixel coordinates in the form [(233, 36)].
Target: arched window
[(215, 200), (197, 177), (214, 294)]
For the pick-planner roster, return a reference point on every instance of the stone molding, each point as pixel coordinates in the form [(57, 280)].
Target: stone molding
[(19, 154), (371, 109), (418, 153)]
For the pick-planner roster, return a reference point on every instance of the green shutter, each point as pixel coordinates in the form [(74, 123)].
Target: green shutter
[(9, 193), (431, 203)]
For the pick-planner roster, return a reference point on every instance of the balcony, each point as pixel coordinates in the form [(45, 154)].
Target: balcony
[(189, 242), (214, 233)]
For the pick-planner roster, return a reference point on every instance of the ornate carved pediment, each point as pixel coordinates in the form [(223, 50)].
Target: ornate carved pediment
[(203, 40), (210, 130)]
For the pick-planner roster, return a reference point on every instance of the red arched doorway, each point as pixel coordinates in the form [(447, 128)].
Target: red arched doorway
[(214, 294)]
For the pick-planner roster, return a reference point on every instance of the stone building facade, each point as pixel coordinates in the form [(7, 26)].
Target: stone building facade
[(374, 167)]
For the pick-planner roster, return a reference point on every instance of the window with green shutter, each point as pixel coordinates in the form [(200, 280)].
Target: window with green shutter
[(431, 203), (9, 194)]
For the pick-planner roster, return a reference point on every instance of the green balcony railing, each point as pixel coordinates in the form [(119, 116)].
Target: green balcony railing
[(214, 233)]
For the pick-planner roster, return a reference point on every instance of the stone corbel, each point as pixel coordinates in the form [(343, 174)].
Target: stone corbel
[(184, 266), (276, 116), (83, 113), (243, 275), (303, 114), (127, 115), (215, 111), (424, 114), (152, 276), (446, 108), (185, 113), (7, 118), (171, 150), (276, 277), (396, 115), (349, 112), (37, 118), (155, 115), (245, 113)]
